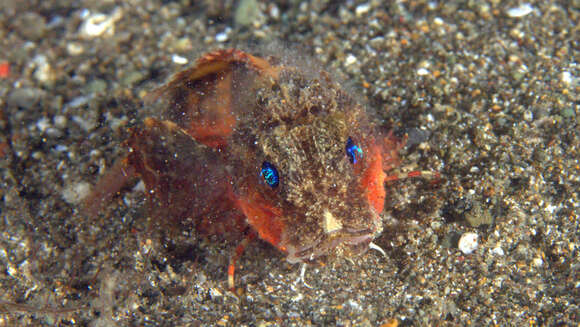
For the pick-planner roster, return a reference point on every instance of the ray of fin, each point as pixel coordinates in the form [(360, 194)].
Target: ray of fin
[(377, 248), (302, 274)]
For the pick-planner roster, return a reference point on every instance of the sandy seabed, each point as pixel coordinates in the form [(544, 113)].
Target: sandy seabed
[(487, 92)]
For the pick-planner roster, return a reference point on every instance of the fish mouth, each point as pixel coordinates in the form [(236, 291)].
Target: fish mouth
[(347, 241)]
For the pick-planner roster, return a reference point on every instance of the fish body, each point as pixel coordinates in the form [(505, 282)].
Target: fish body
[(247, 144)]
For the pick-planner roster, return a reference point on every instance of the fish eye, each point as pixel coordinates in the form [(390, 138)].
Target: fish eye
[(353, 151), (270, 174)]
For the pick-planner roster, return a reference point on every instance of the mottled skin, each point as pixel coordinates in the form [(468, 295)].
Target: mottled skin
[(224, 117)]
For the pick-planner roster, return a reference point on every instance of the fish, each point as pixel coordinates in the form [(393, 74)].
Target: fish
[(254, 146)]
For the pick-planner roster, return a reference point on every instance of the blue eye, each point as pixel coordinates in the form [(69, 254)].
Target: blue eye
[(353, 151), (270, 174)]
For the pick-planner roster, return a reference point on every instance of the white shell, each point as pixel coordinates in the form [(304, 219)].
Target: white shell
[(468, 242)]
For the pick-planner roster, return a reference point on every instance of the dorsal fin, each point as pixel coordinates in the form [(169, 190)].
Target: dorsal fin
[(200, 99)]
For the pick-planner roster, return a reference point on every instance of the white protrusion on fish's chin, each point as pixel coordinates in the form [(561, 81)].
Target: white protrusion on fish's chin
[(330, 223)]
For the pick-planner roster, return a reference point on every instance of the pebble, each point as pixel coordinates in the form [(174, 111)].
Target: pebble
[(438, 21), (59, 121), (247, 12), (75, 193), (537, 262), (215, 293), (179, 59), (377, 42), (98, 24), (520, 11), (223, 36), (115, 122), (567, 78), (498, 251), (43, 124), (468, 242), (422, 72), (274, 11), (362, 9), (88, 124), (25, 98), (12, 271), (132, 77), (350, 59), (528, 115), (43, 72), (31, 26), (182, 45), (74, 49), (96, 86), (78, 101)]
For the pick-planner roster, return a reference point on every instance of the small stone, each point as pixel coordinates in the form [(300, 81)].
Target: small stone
[(59, 121), (274, 11), (31, 26), (537, 262), (74, 48), (377, 42), (247, 12), (224, 321), (221, 37), (43, 72), (78, 101), (132, 78), (12, 271), (98, 24), (468, 242), (362, 9), (96, 86), (75, 193), (520, 11), (25, 98), (86, 123), (498, 251), (567, 78), (422, 72), (179, 59), (43, 124), (350, 60), (182, 45), (215, 293)]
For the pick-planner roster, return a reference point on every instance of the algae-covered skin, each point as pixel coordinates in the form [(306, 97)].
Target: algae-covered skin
[(277, 151)]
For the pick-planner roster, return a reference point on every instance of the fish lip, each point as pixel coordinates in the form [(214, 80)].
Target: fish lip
[(324, 245)]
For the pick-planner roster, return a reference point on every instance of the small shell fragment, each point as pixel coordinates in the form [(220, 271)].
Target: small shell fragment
[(75, 193), (362, 9), (350, 60), (498, 251), (520, 11), (98, 24), (179, 59), (468, 242)]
